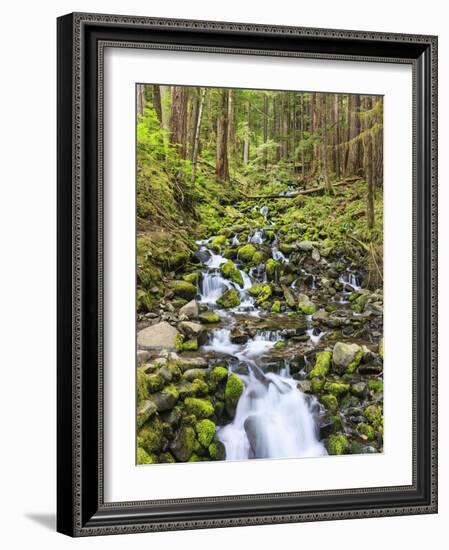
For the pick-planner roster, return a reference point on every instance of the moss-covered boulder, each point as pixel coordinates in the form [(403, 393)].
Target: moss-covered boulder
[(184, 444), (201, 408), (155, 382), (217, 450), (150, 437), (229, 299), (184, 289), (373, 413), (217, 243), (145, 411), (337, 444), (218, 375), (246, 253), (229, 271), (330, 402), (205, 430), (305, 305), (233, 391), (322, 364), (209, 317), (336, 388), (264, 295), (276, 306), (346, 357), (271, 268), (191, 278), (366, 431), (144, 458)]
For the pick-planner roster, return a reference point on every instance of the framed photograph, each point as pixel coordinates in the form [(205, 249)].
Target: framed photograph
[(247, 274)]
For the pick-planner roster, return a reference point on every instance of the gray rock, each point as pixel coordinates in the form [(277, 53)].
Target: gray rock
[(315, 255), (305, 246), (186, 363), (257, 433), (190, 310), (146, 411), (359, 389), (164, 401), (159, 336), (191, 330), (344, 355), (142, 356), (305, 386), (192, 374)]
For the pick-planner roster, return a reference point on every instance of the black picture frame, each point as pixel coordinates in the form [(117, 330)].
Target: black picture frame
[(81, 510)]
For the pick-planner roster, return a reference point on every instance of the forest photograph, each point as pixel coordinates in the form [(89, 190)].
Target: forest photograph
[(259, 274)]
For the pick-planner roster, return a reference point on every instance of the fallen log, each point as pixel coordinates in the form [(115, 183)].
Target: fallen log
[(302, 192)]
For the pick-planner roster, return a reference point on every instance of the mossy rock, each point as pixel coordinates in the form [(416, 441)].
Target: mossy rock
[(317, 384), (271, 268), (145, 301), (366, 430), (276, 306), (217, 450), (336, 388), (205, 430), (233, 391), (155, 382), (376, 386), (280, 344), (330, 402), (196, 388), (209, 317), (142, 388), (166, 458), (217, 243), (381, 348), (184, 289), (144, 458), (373, 413), (322, 364), (259, 257), (229, 271), (337, 444), (150, 436), (201, 408), (190, 345), (229, 299), (218, 375), (145, 411), (305, 305), (191, 278), (265, 293), (246, 253), (184, 444)]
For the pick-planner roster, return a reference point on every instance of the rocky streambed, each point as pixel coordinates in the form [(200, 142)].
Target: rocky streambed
[(266, 347)]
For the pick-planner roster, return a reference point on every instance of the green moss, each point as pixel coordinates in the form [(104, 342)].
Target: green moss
[(229, 299), (276, 307), (184, 444), (337, 444), (271, 267), (373, 413), (376, 386), (317, 385), (322, 364), (246, 252), (195, 458), (145, 301), (336, 388), (179, 341), (366, 430), (217, 451), (142, 388), (381, 348), (305, 305), (259, 257), (201, 408), (191, 278), (330, 402), (352, 367), (217, 243), (190, 345), (218, 374), (184, 289), (150, 436), (209, 317), (155, 382), (229, 271), (233, 391), (205, 430), (144, 458), (280, 344), (264, 294), (166, 458)]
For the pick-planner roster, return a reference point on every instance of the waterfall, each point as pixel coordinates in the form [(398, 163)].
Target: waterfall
[(273, 420), (212, 286), (351, 280), (276, 253), (264, 212), (257, 237)]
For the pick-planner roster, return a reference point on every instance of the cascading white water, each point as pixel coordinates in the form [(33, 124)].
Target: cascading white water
[(257, 237), (351, 280), (273, 420), (276, 253), (264, 211), (212, 287)]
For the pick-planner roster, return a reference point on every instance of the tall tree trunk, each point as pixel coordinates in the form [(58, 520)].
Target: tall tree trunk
[(231, 125), (265, 129), (301, 136), (285, 126), (246, 135), (324, 150), (354, 146), (316, 161), (179, 119), (196, 139), (157, 104), (336, 135), (140, 93), (192, 107), (368, 163), (165, 106), (221, 167)]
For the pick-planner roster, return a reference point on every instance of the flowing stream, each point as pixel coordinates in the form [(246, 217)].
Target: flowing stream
[(273, 418)]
